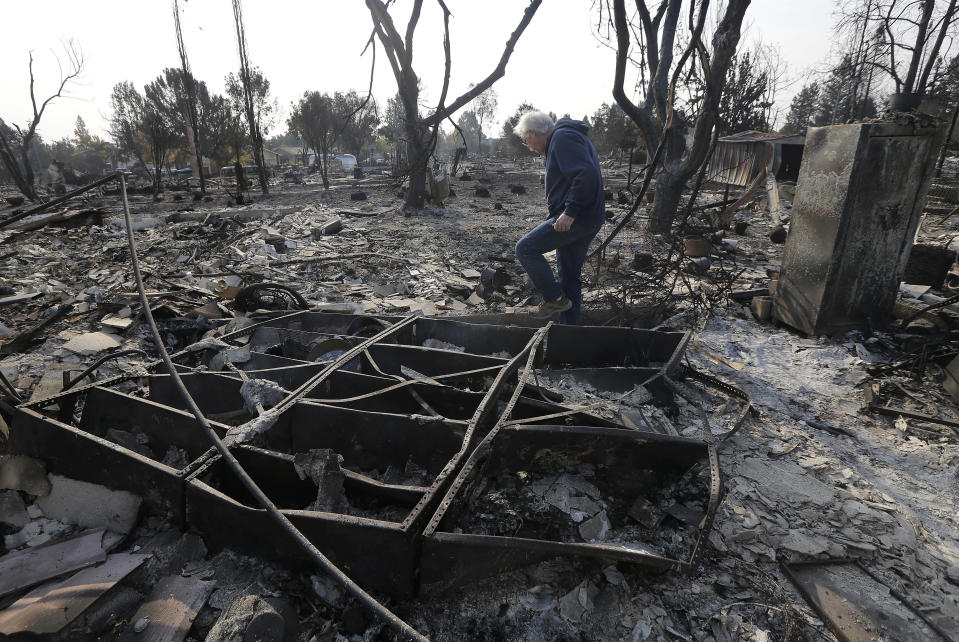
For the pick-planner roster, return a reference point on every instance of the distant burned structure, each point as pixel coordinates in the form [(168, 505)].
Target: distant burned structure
[(741, 159)]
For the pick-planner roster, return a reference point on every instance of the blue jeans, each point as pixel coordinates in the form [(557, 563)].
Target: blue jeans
[(571, 247)]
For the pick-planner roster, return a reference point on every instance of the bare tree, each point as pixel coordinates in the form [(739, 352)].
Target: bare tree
[(190, 86), (421, 131), (909, 41), (769, 59), (654, 35), (16, 141), (246, 77)]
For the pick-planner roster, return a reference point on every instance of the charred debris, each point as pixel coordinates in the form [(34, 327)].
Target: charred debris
[(691, 463)]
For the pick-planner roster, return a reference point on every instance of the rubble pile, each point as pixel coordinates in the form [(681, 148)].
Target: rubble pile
[(571, 507)]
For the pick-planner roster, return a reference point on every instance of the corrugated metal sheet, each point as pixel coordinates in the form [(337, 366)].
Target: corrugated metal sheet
[(765, 137), (736, 163), (739, 158)]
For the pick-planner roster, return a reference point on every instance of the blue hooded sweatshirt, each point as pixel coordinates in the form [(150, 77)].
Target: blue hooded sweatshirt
[(574, 182)]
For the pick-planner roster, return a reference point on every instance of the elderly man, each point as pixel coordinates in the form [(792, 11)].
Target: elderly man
[(577, 210)]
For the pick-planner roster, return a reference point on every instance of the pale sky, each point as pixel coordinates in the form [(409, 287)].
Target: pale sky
[(315, 45)]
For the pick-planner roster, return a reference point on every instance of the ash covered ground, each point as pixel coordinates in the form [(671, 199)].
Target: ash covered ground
[(816, 475)]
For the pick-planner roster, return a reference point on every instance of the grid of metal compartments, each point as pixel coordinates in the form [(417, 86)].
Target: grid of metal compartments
[(409, 405)]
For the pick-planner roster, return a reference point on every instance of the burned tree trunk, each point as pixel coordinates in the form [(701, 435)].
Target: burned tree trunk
[(657, 119), (399, 51), (418, 151), (19, 168), (256, 137), (190, 86), (156, 177)]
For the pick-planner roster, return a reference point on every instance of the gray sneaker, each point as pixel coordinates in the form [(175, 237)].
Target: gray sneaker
[(549, 308)]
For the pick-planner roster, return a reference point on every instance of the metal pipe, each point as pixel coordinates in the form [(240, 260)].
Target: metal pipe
[(97, 364), (318, 557)]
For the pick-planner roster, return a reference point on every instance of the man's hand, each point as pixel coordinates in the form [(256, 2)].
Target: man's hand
[(563, 223)]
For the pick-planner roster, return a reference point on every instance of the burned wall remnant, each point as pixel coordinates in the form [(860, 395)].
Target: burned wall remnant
[(859, 199)]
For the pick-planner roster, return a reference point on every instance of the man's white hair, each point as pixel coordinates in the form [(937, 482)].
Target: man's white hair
[(533, 121)]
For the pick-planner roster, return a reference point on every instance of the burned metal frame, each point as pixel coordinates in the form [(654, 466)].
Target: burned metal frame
[(450, 558), (379, 399)]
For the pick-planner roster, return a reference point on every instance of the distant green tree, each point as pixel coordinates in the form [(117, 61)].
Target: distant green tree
[(217, 117), (393, 130), (513, 142), (361, 119), (322, 121), (470, 126), (838, 97), (170, 95), (139, 127), (598, 131), (484, 108), (802, 109), (265, 105), (743, 105)]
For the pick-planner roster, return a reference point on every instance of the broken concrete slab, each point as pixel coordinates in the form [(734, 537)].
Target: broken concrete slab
[(52, 381), (18, 298), (49, 608), (951, 382), (595, 528), (91, 343), (169, 611), (22, 569), (18, 472), (170, 553), (786, 481), (116, 322), (90, 505), (799, 542), (762, 307), (578, 603), (330, 227)]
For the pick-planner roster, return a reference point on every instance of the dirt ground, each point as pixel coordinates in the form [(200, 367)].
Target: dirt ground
[(815, 475)]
